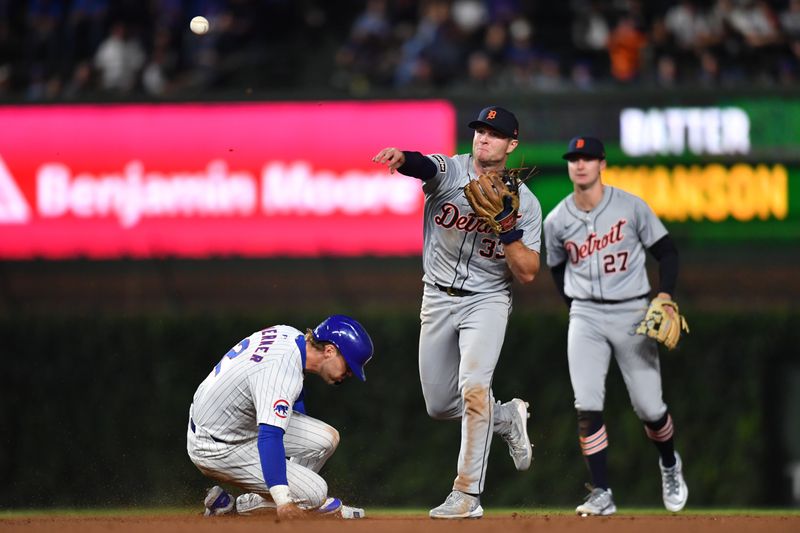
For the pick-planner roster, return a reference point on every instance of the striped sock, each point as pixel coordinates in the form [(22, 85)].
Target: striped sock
[(594, 449), (661, 432)]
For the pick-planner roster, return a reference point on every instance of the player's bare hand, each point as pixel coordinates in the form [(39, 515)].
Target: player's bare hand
[(290, 511), (391, 157)]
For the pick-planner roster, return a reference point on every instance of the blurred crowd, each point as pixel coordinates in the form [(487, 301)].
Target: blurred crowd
[(85, 49), (579, 44), (74, 49)]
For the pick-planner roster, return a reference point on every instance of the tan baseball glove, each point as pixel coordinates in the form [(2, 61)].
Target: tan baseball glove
[(659, 325), (494, 197)]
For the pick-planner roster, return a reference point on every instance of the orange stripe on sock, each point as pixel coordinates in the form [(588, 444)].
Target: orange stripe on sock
[(663, 434), (595, 442)]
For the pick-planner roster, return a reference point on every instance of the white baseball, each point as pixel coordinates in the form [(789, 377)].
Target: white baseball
[(199, 25)]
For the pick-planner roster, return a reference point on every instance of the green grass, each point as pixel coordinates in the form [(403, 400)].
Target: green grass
[(383, 511)]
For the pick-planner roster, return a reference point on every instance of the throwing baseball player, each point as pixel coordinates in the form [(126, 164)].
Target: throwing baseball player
[(247, 425), (596, 240), (481, 227)]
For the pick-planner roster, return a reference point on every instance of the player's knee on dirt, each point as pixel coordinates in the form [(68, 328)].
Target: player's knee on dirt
[(589, 422), (310, 495)]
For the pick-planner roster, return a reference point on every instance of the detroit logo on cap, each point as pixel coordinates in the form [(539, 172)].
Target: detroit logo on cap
[(281, 408), (579, 143)]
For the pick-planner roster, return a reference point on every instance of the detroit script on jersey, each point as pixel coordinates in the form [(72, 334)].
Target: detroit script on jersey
[(593, 243), (604, 249), (459, 249)]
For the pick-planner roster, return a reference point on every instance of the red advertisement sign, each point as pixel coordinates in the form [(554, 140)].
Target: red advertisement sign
[(204, 180)]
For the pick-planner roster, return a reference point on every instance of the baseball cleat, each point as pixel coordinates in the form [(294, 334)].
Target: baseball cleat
[(254, 504), (458, 505), (673, 487), (599, 502), (218, 502), (519, 444), (331, 505), (349, 513), (335, 506)]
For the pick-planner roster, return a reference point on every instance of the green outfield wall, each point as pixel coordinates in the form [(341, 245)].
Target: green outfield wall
[(94, 412)]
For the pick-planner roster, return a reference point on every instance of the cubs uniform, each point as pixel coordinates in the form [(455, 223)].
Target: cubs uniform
[(258, 382), (598, 260), (247, 422)]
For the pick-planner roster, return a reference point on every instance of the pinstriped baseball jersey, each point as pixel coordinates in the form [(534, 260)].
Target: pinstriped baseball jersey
[(459, 250), (256, 382), (605, 248)]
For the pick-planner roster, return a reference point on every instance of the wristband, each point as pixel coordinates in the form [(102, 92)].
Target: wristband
[(280, 494), (511, 236)]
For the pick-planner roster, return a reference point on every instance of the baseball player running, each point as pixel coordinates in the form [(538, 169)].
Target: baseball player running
[(247, 418), (596, 239), (467, 299)]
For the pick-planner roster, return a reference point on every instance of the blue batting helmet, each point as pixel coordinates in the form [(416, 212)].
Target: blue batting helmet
[(350, 338)]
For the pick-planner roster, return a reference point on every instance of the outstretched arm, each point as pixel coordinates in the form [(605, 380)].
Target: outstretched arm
[(412, 164)]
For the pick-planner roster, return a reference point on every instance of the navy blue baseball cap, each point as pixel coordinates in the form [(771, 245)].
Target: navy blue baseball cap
[(586, 146), (499, 119), (352, 340)]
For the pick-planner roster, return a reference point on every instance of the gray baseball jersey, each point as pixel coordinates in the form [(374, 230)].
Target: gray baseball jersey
[(459, 251), (606, 276), (604, 249), (257, 382), (461, 336)]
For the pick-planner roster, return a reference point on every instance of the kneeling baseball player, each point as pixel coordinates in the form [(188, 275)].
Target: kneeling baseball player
[(247, 425)]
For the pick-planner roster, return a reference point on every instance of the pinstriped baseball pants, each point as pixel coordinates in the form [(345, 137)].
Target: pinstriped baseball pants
[(309, 444)]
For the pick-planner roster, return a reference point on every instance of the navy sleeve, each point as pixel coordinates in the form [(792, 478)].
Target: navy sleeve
[(558, 278), (666, 254), (417, 166), (272, 454)]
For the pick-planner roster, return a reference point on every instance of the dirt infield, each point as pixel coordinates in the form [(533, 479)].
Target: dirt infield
[(555, 523)]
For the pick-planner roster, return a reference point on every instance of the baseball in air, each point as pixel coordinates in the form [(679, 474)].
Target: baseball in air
[(199, 25)]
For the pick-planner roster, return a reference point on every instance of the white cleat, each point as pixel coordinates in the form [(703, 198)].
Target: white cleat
[(599, 502), (254, 504), (334, 506), (673, 487), (519, 444), (218, 502), (458, 505), (352, 513)]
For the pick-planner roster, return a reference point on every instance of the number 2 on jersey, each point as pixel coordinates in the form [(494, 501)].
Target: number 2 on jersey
[(615, 262), (232, 353)]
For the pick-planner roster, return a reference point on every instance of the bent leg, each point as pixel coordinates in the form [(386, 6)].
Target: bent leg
[(439, 357), (310, 442), (240, 465)]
